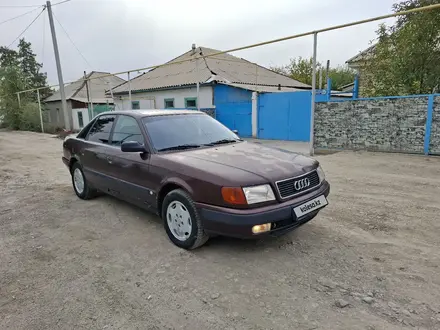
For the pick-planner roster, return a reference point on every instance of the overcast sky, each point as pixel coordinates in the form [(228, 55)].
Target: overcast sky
[(119, 35)]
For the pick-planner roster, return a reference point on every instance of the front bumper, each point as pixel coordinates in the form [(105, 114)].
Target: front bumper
[(239, 223), (65, 161)]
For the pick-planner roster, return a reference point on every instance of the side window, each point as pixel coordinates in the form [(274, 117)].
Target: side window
[(190, 102), (126, 129), (135, 105), (169, 103), (100, 132), (80, 120)]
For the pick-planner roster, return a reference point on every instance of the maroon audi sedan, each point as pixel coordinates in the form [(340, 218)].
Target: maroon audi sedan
[(196, 174)]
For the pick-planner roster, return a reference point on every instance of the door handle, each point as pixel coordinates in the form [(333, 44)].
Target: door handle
[(109, 160)]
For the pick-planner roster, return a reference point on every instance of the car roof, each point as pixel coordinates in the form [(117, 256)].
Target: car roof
[(151, 112)]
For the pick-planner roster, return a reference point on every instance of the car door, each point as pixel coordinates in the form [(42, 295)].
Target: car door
[(95, 153), (131, 169)]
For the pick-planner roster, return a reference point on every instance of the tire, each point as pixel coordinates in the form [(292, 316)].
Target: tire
[(195, 236), (87, 192)]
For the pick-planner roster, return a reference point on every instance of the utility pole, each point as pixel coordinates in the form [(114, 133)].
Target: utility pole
[(130, 105), (60, 74), (312, 112), (198, 84)]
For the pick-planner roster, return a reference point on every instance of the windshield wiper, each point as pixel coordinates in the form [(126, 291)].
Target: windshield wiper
[(181, 147), (224, 141)]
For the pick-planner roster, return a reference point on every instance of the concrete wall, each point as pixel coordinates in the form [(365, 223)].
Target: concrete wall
[(156, 99), (55, 114), (85, 115), (383, 124)]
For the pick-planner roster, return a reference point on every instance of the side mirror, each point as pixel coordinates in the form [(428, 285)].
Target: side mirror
[(132, 146)]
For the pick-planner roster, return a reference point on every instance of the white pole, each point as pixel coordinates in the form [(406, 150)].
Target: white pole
[(312, 112), (256, 77), (111, 93), (89, 86), (129, 91), (41, 112), (198, 84), (19, 101)]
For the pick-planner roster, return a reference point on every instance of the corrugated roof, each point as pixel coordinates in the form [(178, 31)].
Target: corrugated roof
[(363, 55), (224, 68), (263, 89), (77, 90)]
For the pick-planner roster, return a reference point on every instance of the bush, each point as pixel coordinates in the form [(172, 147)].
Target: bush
[(29, 117), (51, 128)]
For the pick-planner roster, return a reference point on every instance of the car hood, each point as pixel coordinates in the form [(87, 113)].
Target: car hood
[(269, 163)]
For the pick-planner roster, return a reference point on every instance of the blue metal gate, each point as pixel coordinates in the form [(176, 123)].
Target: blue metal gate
[(233, 108), (284, 116)]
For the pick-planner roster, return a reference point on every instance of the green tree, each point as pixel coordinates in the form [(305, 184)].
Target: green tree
[(406, 57), (30, 67), (301, 69), (341, 76), (19, 70)]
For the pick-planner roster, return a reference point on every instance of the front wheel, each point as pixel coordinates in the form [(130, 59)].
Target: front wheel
[(182, 221)]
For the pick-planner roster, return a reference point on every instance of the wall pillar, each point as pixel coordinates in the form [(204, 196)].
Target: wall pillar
[(356, 87), (329, 89), (254, 114), (428, 124)]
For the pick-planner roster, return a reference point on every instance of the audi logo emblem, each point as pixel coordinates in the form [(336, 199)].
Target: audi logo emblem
[(301, 184)]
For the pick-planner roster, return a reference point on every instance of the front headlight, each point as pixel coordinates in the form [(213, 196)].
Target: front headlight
[(258, 194), (321, 173)]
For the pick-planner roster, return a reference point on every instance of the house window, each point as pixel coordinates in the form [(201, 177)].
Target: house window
[(191, 102), (169, 103), (58, 115), (135, 105), (80, 120)]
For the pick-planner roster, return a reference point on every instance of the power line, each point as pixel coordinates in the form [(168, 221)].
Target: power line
[(16, 6), (59, 3), (27, 27), (272, 41), (73, 43), (13, 18)]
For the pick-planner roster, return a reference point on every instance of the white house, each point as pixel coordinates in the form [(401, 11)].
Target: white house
[(174, 86), (78, 96)]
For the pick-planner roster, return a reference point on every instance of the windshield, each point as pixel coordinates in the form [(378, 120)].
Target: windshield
[(186, 131)]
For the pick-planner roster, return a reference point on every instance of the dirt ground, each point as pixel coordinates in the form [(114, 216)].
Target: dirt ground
[(370, 260)]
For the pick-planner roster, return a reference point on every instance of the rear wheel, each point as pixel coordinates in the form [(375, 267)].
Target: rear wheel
[(182, 221), (79, 182)]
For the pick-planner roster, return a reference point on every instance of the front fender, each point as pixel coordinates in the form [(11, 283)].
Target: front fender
[(176, 181)]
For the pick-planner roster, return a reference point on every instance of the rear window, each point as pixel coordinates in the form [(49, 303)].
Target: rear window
[(100, 131)]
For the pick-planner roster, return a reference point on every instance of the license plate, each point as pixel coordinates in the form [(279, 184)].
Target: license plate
[(310, 206)]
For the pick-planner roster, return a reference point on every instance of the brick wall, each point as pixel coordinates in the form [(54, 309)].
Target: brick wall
[(388, 124), (434, 146)]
